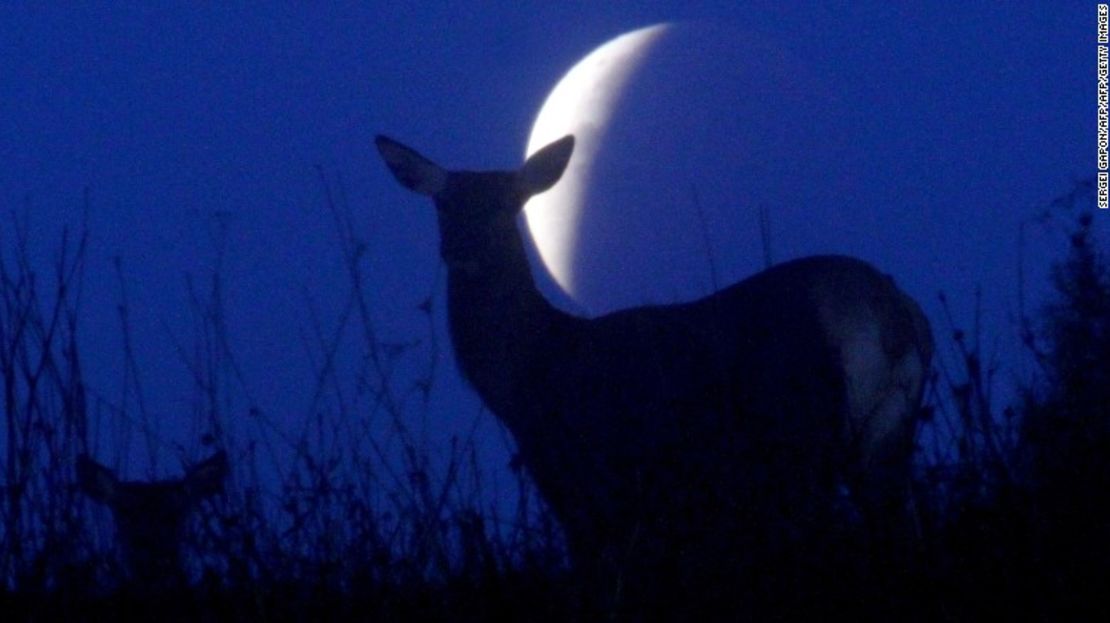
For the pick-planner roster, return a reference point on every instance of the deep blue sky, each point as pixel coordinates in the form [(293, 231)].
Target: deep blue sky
[(174, 113)]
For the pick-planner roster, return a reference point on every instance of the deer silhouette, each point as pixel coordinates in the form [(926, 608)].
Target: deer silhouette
[(150, 516), (662, 436)]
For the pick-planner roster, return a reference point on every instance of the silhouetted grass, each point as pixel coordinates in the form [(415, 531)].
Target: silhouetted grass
[(359, 515)]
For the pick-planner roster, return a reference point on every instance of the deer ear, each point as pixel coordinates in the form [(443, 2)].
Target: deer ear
[(546, 166), (98, 482), (207, 478), (414, 171)]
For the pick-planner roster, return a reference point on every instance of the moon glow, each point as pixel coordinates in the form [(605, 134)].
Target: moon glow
[(685, 133), (582, 104)]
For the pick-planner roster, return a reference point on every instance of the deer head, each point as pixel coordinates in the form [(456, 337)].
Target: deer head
[(476, 209), (150, 516)]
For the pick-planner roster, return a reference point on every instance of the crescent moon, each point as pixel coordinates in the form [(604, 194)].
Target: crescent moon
[(582, 104)]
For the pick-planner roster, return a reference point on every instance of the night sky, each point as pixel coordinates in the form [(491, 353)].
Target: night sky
[(177, 118)]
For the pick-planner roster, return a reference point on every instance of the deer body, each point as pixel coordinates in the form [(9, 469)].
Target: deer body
[(657, 428)]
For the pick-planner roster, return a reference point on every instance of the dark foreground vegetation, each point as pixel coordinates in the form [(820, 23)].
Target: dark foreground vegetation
[(364, 518)]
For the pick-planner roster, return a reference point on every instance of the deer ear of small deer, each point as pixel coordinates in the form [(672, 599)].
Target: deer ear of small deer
[(546, 166), (207, 478), (412, 170), (98, 482)]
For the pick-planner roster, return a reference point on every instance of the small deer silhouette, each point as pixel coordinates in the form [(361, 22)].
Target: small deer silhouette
[(150, 516), (658, 435)]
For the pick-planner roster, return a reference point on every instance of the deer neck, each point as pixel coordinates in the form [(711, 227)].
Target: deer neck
[(499, 320)]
